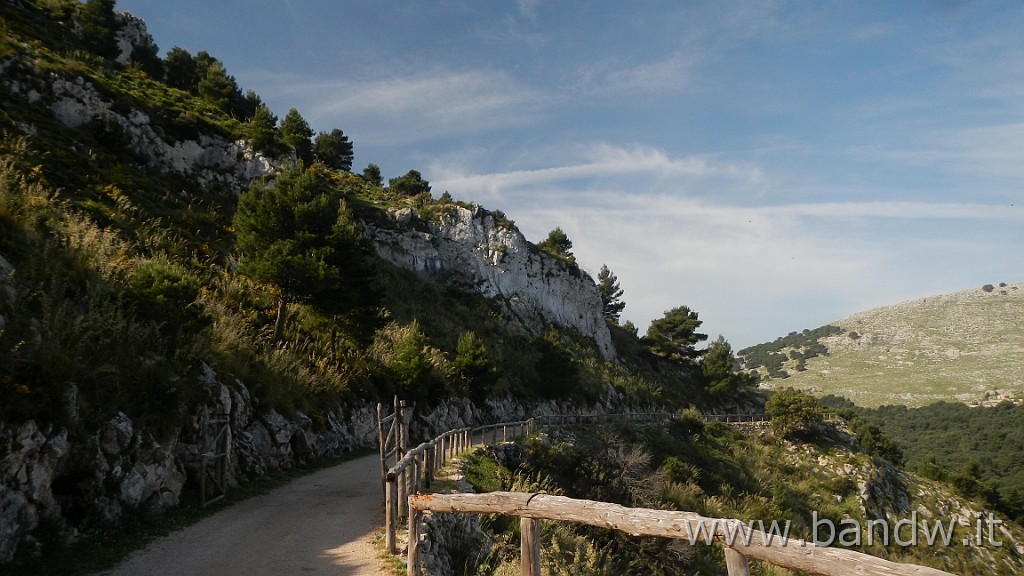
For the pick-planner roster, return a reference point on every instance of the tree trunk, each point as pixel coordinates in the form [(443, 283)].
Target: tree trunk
[(282, 314)]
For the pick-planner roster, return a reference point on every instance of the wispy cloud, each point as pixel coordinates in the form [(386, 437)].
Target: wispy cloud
[(594, 161), (405, 108)]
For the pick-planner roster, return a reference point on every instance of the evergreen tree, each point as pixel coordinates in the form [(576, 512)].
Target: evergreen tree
[(146, 57), (373, 176), (611, 294), (473, 364), (558, 244), (674, 336), (296, 233), (718, 369), (219, 88), (333, 149), (99, 24), (261, 130), (248, 105), (794, 413), (409, 184), (180, 70), (296, 133)]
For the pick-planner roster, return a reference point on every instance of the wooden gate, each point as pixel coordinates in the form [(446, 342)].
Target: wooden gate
[(214, 458), (394, 442)]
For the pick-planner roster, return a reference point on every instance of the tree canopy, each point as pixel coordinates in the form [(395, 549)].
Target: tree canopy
[(372, 175), (296, 133), (674, 336), (793, 412), (718, 369), (333, 149), (611, 294), (409, 184), (297, 233), (558, 244)]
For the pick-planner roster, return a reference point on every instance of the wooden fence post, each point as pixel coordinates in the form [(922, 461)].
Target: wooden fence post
[(412, 564), (428, 466), (403, 492), (736, 563), (529, 547), (391, 514)]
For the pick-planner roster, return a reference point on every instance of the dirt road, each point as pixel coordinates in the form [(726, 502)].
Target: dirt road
[(319, 524)]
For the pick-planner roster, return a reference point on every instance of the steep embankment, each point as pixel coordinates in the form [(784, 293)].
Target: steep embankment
[(124, 318), (966, 346)]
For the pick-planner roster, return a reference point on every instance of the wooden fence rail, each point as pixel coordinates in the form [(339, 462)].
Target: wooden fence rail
[(417, 466), (739, 540)]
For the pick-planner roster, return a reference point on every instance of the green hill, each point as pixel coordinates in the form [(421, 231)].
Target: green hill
[(967, 346)]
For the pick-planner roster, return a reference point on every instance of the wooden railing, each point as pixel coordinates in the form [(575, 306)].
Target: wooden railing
[(739, 540), (417, 466)]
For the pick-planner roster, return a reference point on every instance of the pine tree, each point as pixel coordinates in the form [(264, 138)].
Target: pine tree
[(611, 294), (333, 149), (99, 24), (296, 134), (180, 70), (297, 234), (373, 176), (674, 336), (558, 244)]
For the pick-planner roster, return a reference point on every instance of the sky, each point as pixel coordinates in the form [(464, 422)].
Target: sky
[(772, 165)]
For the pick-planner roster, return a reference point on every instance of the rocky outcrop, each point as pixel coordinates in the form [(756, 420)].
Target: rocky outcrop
[(93, 480), (470, 247), (72, 484), (76, 101)]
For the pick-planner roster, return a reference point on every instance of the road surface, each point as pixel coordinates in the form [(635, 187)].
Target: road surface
[(320, 524)]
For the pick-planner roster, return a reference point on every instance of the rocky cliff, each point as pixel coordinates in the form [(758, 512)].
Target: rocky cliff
[(470, 247), (76, 100)]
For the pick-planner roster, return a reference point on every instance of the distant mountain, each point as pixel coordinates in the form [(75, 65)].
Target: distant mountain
[(966, 346)]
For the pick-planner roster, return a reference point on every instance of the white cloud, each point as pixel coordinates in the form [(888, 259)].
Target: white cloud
[(752, 269), (407, 108), (599, 160)]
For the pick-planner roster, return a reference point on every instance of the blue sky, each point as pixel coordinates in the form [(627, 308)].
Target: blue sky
[(772, 165)]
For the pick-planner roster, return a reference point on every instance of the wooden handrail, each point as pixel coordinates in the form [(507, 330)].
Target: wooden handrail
[(740, 541)]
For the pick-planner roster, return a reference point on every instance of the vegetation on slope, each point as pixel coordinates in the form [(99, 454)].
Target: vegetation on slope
[(974, 449), (131, 280), (966, 346), (822, 474)]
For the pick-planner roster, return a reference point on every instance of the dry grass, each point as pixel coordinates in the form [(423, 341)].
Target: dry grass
[(967, 346)]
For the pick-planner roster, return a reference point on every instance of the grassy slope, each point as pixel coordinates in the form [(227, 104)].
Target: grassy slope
[(963, 346)]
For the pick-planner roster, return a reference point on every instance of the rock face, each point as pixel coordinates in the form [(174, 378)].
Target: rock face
[(92, 481), (469, 247), (76, 101), (71, 484)]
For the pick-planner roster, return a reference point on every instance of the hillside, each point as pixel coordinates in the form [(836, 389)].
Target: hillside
[(967, 347), (172, 250)]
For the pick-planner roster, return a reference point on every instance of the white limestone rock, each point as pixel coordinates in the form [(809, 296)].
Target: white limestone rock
[(469, 247)]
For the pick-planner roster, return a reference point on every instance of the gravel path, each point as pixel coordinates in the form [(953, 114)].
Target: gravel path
[(318, 524)]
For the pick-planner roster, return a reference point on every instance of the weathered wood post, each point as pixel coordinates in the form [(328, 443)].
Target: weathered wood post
[(412, 564), (391, 513), (417, 467), (428, 465), (383, 448), (529, 547), (736, 563), (400, 428), (403, 492)]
